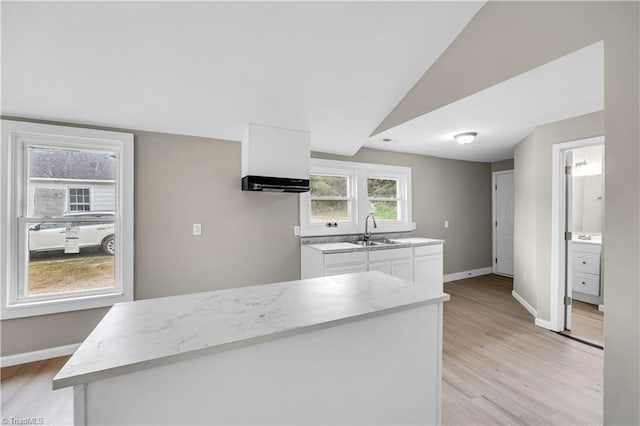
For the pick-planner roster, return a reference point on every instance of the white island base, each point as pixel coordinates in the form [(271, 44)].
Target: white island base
[(383, 367)]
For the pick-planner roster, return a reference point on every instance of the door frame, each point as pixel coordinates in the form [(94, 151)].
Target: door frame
[(558, 213), (494, 217)]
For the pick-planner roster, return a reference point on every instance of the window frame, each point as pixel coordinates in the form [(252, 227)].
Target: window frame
[(17, 137), (343, 226), (76, 187), (359, 173)]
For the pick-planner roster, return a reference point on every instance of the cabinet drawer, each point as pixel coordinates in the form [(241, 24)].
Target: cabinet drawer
[(389, 254), (586, 262), (348, 258), (430, 249), (348, 269), (586, 283)]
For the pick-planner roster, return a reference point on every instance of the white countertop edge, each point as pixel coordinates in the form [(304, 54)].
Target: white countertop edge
[(85, 378), (328, 249)]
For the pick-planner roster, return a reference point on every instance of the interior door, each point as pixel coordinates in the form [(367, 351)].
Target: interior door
[(504, 223), (568, 226)]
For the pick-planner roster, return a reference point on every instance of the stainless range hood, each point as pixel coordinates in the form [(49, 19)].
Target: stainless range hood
[(275, 159)]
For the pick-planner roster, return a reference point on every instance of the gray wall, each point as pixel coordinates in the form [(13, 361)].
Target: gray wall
[(248, 237), (505, 39), (442, 189), (498, 166), (532, 205)]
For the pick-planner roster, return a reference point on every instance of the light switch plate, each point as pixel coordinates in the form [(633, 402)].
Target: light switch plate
[(296, 230), (197, 229)]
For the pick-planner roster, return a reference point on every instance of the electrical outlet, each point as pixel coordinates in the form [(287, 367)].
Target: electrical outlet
[(197, 229), (413, 226), (446, 224)]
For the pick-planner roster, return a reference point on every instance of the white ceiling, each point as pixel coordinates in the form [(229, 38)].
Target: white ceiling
[(207, 69), (507, 112)]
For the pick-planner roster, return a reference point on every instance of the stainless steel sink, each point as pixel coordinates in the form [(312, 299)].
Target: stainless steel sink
[(372, 243)]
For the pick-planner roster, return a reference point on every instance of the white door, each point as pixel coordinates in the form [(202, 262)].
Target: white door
[(503, 223), (568, 226)]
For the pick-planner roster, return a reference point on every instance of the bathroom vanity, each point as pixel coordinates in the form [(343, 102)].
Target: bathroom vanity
[(584, 270)]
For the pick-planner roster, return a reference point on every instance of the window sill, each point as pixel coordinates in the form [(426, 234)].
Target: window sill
[(46, 307)]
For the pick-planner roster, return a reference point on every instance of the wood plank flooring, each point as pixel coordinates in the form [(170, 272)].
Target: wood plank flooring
[(587, 323), (499, 368)]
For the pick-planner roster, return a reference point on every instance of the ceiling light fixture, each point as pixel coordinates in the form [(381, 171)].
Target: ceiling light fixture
[(465, 138)]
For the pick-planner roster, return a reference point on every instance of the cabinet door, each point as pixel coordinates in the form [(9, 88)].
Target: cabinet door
[(402, 268), (428, 270), (381, 267), (348, 269)]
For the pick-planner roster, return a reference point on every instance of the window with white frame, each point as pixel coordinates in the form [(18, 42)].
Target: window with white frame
[(79, 199), (56, 253), (343, 193)]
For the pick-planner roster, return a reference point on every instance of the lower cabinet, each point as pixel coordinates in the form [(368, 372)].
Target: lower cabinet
[(428, 266), (422, 264), (396, 262)]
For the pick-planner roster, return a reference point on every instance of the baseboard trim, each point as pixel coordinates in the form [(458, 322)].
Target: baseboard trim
[(25, 357), (524, 303), (467, 274), (544, 324), (601, 308)]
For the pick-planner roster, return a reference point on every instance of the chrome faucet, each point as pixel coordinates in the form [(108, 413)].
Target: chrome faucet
[(367, 234)]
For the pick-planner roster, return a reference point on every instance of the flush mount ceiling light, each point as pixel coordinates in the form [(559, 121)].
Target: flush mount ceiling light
[(465, 138)]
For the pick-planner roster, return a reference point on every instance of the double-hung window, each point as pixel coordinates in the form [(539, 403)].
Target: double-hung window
[(343, 193), (57, 253)]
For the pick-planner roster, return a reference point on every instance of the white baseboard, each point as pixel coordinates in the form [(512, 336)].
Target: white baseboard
[(467, 274), (26, 357), (544, 324), (601, 308), (523, 302)]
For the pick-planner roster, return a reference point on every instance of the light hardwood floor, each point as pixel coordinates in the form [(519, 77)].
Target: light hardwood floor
[(499, 368), (587, 323)]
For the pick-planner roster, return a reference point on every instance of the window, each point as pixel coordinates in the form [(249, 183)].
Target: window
[(79, 200), (343, 193), (383, 198), (330, 201), (60, 255)]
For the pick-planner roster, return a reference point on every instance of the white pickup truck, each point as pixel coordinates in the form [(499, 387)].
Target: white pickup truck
[(49, 236)]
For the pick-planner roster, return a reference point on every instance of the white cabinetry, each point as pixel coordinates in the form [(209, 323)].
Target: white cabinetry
[(428, 265), (315, 263), (584, 272), (420, 264), (396, 262)]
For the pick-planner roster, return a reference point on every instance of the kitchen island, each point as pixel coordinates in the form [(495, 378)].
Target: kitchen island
[(360, 348)]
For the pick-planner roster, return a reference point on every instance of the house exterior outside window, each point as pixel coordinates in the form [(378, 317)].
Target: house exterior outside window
[(67, 234)]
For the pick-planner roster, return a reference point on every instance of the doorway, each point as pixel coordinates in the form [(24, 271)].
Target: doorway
[(578, 210), (503, 222)]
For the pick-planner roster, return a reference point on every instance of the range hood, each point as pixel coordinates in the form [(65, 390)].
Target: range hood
[(275, 159)]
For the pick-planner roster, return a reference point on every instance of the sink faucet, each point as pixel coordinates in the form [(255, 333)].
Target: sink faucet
[(367, 233)]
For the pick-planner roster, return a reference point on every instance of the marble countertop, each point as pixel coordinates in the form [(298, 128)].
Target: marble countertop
[(344, 247), (148, 333), (597, 240)]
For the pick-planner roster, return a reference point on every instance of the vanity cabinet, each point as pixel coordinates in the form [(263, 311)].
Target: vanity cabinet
[(396, 262), (584, 272)]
